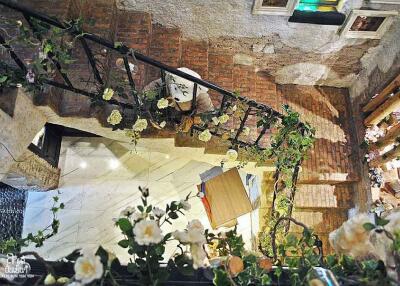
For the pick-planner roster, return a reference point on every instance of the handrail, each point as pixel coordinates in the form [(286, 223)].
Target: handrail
[(123, 49)]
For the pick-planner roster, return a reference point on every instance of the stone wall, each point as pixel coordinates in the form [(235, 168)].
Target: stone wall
[(17, 130)]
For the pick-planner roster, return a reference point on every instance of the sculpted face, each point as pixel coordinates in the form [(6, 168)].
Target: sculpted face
[(181, 89)]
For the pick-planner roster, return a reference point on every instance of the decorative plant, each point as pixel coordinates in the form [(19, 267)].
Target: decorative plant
[(14, 245), (288, 149), (144, 240), (234, 265)]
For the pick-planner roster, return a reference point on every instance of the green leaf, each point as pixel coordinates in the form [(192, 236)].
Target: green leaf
[(132, 268), (368, 226), (381, 221), (220, 278), (160, 249), (125, 225), (103, 255), (3, 78), (117, 45), (173, 215), (123, 243)]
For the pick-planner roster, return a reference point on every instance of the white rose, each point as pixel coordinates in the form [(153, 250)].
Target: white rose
[(162, 124), (138, 216), (181, 236), (108, 93), (215, 120), (231, 155), (19, 23), (114, 118), (49, 280), (352, 238), (158, 212), (223, 118), (140, 125), (147, 232), (246, 131), (185, 205), (88, 268), (128, 211), (205, 136), (162, 103)]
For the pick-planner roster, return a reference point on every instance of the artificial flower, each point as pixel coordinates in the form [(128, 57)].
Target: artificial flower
[(158, 212), (115, 117), (62, 280), (19, 85), (138, 216), (162, 103), (147, 232), (162, 124), (140, 125), (223, 118), (19, 23), (215, 120), (246, 131), (181, 236), (88, 268), (205, 136), (49, 280), (265, 263), (108, 93), (30, 76), (352, 238), (185, 205), (128, 211), (235, 265), (231, 155)]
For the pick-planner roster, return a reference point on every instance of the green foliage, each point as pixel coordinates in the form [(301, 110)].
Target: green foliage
[(145, 262), (288, 149), (14, 245)]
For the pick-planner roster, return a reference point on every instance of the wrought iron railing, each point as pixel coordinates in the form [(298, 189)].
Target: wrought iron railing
[(252, 111)]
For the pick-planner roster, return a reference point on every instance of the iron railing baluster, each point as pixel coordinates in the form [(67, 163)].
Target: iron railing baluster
[(91, 59), (131, 81), (49, 54), (262, 133), (242, 123), (13, 55)]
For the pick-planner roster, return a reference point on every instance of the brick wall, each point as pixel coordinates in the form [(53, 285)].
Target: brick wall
[(332, 158)]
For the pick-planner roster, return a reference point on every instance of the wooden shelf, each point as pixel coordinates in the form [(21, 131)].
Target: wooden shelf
[(382, 96), (387, 157), (391, 104), (389, 138)]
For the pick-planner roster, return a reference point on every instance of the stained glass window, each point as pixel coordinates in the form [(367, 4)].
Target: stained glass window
[(318, 5)]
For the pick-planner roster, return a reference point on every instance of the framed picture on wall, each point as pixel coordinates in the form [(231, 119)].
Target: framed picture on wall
[(275, 7), (367, 24)]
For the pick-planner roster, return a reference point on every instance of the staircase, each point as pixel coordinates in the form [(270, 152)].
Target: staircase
[(325, 183)]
